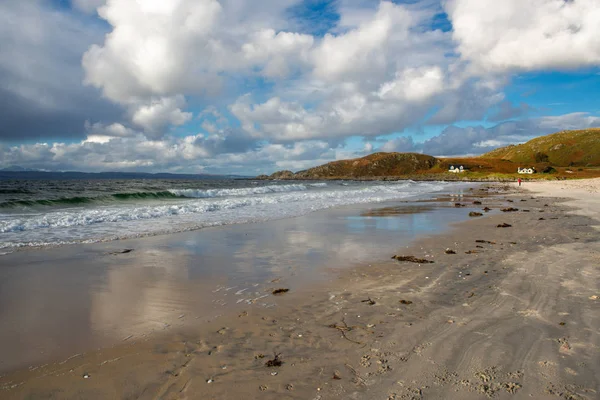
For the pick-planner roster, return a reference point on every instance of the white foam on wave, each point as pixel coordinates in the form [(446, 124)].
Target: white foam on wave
[(122, 221), (210, 193)]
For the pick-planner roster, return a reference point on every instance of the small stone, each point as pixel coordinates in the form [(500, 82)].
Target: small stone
[(86, 376), (209, 380)]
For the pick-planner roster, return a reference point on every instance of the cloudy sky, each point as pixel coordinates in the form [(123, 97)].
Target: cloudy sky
[(254, 86)]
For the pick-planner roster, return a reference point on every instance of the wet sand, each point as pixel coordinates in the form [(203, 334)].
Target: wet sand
[(512, 314), (93, 296)]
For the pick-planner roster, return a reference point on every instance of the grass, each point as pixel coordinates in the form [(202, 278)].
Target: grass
[(567, 148)]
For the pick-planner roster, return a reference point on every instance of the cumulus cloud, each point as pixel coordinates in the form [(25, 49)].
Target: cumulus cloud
[(526, 35), (234, 152), (381, 67), (191, 154), (160, 113), (278, 53)]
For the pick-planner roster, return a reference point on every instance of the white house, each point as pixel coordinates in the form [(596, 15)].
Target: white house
[(456, 170), (526, 170)]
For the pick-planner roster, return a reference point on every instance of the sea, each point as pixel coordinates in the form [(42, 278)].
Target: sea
[(44, 213)]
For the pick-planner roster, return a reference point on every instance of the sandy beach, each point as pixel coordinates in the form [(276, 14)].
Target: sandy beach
[(503, 305)]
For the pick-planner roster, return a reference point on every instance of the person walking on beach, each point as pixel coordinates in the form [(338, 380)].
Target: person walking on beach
[(519, 181)]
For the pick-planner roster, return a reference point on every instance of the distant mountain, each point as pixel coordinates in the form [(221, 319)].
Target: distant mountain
[(33, 174), (17, 168), (562, 149)]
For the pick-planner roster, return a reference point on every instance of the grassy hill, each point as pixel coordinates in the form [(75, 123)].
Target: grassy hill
[(374, 165), (562, 149), (568, 154)]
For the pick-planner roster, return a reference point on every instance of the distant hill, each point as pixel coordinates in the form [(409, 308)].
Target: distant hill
[(374, 165), (562, 149), (32, 174), (16, 168)]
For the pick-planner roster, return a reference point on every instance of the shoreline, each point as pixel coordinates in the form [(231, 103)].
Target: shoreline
[(487, 323)]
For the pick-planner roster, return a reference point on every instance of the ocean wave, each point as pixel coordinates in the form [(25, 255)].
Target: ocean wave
[(159, 195), (122, 220), (82, 200), (211, 193), (92, 216)]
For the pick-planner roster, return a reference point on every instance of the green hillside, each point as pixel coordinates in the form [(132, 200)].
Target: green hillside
[(374, 165), (562, 149)]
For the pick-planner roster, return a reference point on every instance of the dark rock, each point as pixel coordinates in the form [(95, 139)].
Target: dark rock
[(475, 214), (509, 209), (486, 209), (275, 362), (504, 225), (280, 291), (450, 251), (124, 251), (476, 202), (405, 302), (412, 259)]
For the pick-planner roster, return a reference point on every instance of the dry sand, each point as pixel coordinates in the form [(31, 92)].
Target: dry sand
[(515, 316)]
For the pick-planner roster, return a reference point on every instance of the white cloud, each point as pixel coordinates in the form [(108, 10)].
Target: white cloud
[(156, 48), (499, 36), (382, 69), (160, 113), (232, 152), (279, 52), (414, 84), (362, 51)]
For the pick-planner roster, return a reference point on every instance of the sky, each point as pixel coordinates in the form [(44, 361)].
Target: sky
[(255, 86)]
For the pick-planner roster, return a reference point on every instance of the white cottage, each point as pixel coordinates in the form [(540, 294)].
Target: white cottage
[(456, 170), (526, 170)]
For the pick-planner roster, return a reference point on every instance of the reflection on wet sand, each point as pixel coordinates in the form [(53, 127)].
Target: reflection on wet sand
[(58, 302)]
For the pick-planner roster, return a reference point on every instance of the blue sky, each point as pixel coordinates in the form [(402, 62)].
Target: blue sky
[(230, 86)]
